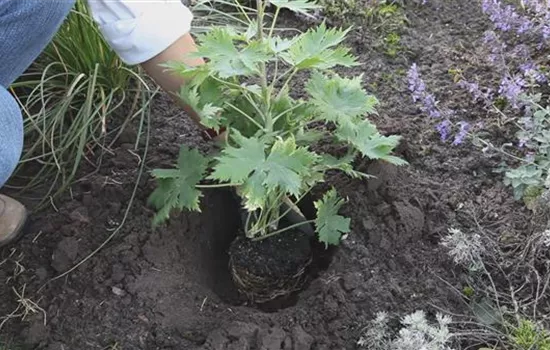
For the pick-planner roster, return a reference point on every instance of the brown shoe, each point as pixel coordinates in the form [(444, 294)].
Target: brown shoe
[(13, 216)]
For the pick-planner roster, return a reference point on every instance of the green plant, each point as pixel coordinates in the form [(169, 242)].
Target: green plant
[(376, 14), (417, 332), (68, 97), (531, 176), (468, 292), (341, 8), (211, 13), (246, 87), (528, 336), (384, 14), (393, 44)]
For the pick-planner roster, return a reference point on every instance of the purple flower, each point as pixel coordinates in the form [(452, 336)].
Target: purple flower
[(417, 87), (472, 88), (524, 27), (511, 88), (521, 51), (495, 45), (476, 92), (537, 6), (459, 137), (428, 105), (531, 70), (505, 18), (444, 129)]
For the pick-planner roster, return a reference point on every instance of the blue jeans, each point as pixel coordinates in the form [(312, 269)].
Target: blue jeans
[(26, 27)]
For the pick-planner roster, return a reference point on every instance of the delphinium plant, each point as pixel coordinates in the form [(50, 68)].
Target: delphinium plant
[(248, 88)]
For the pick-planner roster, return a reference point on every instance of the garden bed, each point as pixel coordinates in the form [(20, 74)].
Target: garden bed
[(170, 288)]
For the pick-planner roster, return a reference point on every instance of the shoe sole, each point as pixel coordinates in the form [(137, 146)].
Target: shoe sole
[(17, 233)]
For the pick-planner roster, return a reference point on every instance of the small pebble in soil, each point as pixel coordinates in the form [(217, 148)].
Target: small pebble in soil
[(118, 291)]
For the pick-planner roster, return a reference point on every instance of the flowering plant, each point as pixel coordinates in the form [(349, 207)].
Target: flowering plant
[(516, 93)]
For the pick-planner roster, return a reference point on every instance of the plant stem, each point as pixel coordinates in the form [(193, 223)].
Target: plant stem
[(274, 21), (281, 77), (279, 216), (255, 105), (217, 185), (283, 230), (263, 70), (252, 120), (288, 79), (288, 111)]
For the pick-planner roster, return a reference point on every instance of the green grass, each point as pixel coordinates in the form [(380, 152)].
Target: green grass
[(68, 98), (209, 13)]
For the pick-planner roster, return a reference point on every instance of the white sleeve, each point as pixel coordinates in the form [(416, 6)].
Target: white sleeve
[(138, 30)]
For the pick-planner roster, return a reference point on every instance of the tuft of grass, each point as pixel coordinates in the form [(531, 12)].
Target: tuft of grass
[(507, 305), (211, 13), (69, 97)]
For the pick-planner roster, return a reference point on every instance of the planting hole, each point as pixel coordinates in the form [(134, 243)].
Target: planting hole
[(265, 266)]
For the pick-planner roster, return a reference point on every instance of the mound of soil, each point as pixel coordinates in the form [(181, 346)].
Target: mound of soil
[(170, 288)]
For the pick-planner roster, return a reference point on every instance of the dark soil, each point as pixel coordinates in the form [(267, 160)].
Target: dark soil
[(276, 256), (166, 288), (272, 268)]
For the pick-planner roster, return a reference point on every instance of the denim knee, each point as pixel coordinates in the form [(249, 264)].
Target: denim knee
[(27, 26), (11, 135)]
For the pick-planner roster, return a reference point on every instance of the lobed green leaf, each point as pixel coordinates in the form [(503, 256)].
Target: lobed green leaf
[(338, 99), (177, 187), (283, 168), (329, 224), (315, 49), (225, 59)]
